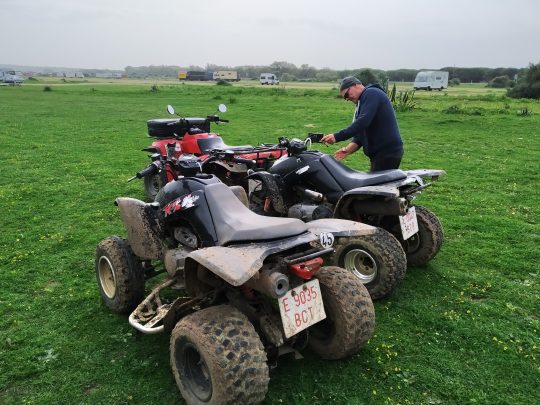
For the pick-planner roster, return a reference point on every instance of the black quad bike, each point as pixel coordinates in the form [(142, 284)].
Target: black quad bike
[(237, 289), (310, 185), (372, 254)]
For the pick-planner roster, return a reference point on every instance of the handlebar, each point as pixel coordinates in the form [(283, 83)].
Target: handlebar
[(152, 168)]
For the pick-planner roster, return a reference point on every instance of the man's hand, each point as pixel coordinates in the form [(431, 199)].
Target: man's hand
[(341, 153), (329, 138)]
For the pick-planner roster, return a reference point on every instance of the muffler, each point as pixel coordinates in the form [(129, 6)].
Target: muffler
[(269, 282)]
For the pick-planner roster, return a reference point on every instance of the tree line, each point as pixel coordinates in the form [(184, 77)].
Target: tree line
[(287, 71)]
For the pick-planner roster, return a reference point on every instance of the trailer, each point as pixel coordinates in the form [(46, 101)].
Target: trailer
[(227, 75), (431, 80), (196, 75)]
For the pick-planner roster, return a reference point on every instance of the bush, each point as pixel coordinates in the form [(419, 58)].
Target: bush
[(47, 88), (223, 83), (528, 85), (454, 82), (499, 82)]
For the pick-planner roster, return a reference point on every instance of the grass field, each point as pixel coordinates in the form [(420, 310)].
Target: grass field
[(465, 329)]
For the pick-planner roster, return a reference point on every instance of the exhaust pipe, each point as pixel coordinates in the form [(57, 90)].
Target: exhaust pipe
[(270, 282)]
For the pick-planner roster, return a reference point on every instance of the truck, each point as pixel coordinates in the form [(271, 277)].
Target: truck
[(268, 78), (195, 75), (182, 75), (11, 77), (430, 80), (226, 75)]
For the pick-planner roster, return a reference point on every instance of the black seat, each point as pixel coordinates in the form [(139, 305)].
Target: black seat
[(208, 144), (348, 178), (234, 222)]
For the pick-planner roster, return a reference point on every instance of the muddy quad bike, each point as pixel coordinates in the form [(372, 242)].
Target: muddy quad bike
[(372, 254), (308, 184), (177, 137), (240, 289)]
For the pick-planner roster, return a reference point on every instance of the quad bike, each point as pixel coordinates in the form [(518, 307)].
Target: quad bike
[(309, 185), (239, 290), (177, 137), (373, 255)]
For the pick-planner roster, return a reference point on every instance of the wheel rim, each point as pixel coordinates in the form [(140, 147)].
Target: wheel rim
[(107, 278), (194, 372), (413, 243), (361, 264)]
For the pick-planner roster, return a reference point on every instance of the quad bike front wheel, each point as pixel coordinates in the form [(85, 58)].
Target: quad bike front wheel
[(152, 185), (350, 316), (218, 358), (119, 275), (377, 260), (423, 246)]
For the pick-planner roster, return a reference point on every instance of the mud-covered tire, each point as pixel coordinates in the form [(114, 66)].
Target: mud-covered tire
[(377, 260), (350, 316), (218, 358), (152, 185), (119, 275), (424, 246)]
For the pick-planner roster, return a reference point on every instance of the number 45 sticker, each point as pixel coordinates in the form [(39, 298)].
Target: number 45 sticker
[(327, 239)]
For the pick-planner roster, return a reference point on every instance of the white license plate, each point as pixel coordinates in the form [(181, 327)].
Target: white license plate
[(301, 307), (409, 223)]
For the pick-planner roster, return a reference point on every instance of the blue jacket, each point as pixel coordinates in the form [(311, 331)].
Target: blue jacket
[(374, 126)]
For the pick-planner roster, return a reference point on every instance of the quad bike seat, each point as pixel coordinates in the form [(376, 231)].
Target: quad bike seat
[(348, 178), (208, 144), (234, 222), (168, 127)]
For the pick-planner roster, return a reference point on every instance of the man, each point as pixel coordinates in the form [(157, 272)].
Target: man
[(374, 126)]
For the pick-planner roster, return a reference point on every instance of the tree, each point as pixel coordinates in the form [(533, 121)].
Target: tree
[(528, 85)]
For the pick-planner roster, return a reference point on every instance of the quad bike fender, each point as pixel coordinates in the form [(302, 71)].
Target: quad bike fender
[(433, 173), (237, 264), (140, 221), (339, 227), (371, 200)]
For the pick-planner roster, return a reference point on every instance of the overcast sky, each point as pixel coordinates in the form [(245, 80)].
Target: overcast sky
[(340, 34)]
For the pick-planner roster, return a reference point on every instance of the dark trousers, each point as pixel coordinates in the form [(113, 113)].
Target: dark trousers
[(386, 162)]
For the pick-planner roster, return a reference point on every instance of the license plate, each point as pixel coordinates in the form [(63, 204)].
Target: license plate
[(409, 223), (301, 307)]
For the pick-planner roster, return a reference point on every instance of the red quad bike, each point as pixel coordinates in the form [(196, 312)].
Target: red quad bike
[(177, 137), (372, 254), (234, 289)]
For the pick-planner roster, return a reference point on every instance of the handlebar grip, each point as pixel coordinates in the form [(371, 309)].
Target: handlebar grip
[(247, 162), (153, 168), (223, 120)]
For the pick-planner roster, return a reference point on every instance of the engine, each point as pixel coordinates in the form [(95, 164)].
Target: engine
[(310, 212)]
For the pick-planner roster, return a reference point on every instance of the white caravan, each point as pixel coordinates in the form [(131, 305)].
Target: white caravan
[(268, 78), (431, 80)]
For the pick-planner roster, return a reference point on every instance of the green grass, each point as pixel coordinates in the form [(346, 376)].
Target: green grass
[(465, 329)]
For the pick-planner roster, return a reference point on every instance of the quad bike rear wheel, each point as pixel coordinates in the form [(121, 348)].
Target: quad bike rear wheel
[(423, 246), (218, 358), (119, 274), (377, 260), (350, 316)]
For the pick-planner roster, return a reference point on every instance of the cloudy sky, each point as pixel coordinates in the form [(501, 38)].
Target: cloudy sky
[(340, 34)]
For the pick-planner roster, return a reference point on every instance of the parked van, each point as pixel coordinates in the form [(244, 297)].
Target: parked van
[(11, 77), (268, 78), (431, 80)]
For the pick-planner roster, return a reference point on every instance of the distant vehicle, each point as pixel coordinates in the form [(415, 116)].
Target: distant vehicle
[(268, 78), (195, 75), (182, 75), (227, 75), (431, 80), (11, 77)]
